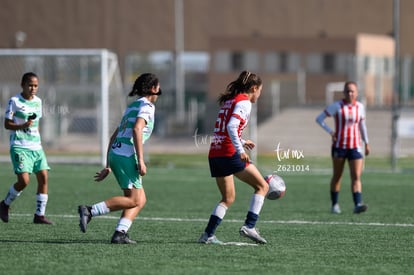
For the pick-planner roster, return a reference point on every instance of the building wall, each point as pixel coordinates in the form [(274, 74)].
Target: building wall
[(322, 60), (143, 25), (126, 26)]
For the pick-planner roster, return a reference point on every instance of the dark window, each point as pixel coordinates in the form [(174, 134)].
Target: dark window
[(283, 62), (237, 61), (329, 63)]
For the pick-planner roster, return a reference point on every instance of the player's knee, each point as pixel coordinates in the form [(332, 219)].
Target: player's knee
[(266, 188), (262, 187), (140, 203), (228, 200), (263, 190)]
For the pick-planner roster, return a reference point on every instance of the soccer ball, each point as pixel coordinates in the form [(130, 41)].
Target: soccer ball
[(277, 187)]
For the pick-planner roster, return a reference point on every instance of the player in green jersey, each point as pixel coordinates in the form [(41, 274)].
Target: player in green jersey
[(125, 158), (22, 119)]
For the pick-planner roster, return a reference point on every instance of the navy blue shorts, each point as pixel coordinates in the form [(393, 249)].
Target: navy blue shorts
[(226, 166), (349, 154)]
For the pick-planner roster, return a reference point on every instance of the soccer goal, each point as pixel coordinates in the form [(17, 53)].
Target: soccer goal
[(332, 90), (82, 96)]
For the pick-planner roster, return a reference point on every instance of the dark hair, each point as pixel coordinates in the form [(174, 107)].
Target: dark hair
[(242, 84), (27, 76), (143, 85), (349, 83)]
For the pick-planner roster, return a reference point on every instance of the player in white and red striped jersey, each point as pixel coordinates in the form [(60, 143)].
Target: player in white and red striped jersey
[(228, 158), (350, 128), (222, 143)]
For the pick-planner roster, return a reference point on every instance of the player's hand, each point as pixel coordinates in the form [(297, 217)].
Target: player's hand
[(102, 174), (367, 149), (249, 145), (244, 157), (333, 135), (142, 168), (27, 124)]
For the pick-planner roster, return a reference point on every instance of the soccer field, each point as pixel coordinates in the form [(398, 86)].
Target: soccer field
[(303, 237)]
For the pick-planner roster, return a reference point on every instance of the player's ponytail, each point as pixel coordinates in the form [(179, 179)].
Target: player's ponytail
[(242, 84), (143, 84)]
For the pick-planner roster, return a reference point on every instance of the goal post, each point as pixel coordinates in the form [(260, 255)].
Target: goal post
[(82, 94)]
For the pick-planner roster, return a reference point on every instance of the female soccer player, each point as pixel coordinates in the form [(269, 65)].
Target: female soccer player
[(349, 116), (228, 158), (22, 119), (125, 158)]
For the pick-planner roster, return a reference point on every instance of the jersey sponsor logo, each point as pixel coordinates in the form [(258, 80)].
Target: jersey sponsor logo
[(116, 144)]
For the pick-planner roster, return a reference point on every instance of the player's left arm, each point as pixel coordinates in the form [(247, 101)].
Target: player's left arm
[(363, 131), (137, 136), (232, 130), (241, 112), (364, 135)]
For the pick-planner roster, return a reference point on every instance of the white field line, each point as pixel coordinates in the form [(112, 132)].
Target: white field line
[(297, 222)]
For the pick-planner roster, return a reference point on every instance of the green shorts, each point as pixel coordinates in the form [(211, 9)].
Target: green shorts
[(125, 171), (28, 161)]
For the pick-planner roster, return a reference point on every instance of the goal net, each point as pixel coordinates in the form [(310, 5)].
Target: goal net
[(82, 96)]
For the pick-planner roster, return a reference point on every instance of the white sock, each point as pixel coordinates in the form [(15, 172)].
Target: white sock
[(219, 211), (99, 209), (41, 202), (256, 204), (11, 195), (123, 225)]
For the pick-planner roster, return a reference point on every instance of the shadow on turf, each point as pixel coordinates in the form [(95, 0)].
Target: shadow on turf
[(108, 242), (105, 241), (58, 241)]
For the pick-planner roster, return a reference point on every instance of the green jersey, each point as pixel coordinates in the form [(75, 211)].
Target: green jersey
[(140, 108), (19, 110)]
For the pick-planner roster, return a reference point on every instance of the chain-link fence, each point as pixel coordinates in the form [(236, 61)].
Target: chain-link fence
[(81, 90)]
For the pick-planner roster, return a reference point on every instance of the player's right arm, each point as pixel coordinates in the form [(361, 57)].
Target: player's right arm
[(101, 175), (320, 119), (9, 121), (11, 125)]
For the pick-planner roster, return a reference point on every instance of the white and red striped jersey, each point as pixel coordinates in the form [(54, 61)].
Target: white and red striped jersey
[(231, 120), (349, 124)]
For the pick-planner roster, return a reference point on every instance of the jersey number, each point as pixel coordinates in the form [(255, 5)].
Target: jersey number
[(221, 121)]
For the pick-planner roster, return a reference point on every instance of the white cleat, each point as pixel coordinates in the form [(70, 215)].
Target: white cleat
[(336, 209), (252, 234), (205, 239)]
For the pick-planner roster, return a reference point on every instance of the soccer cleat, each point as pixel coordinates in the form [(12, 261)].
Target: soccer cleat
[(360, 208), (205, 239), (37, 219), (336, 209), (252, 234), (121, 238), (4, 212), (85, 216)]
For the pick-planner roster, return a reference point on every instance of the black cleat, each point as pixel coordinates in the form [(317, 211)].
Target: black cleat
[(41, 220), (360, 208), (121, 238), (85, 216), (4, 212)]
